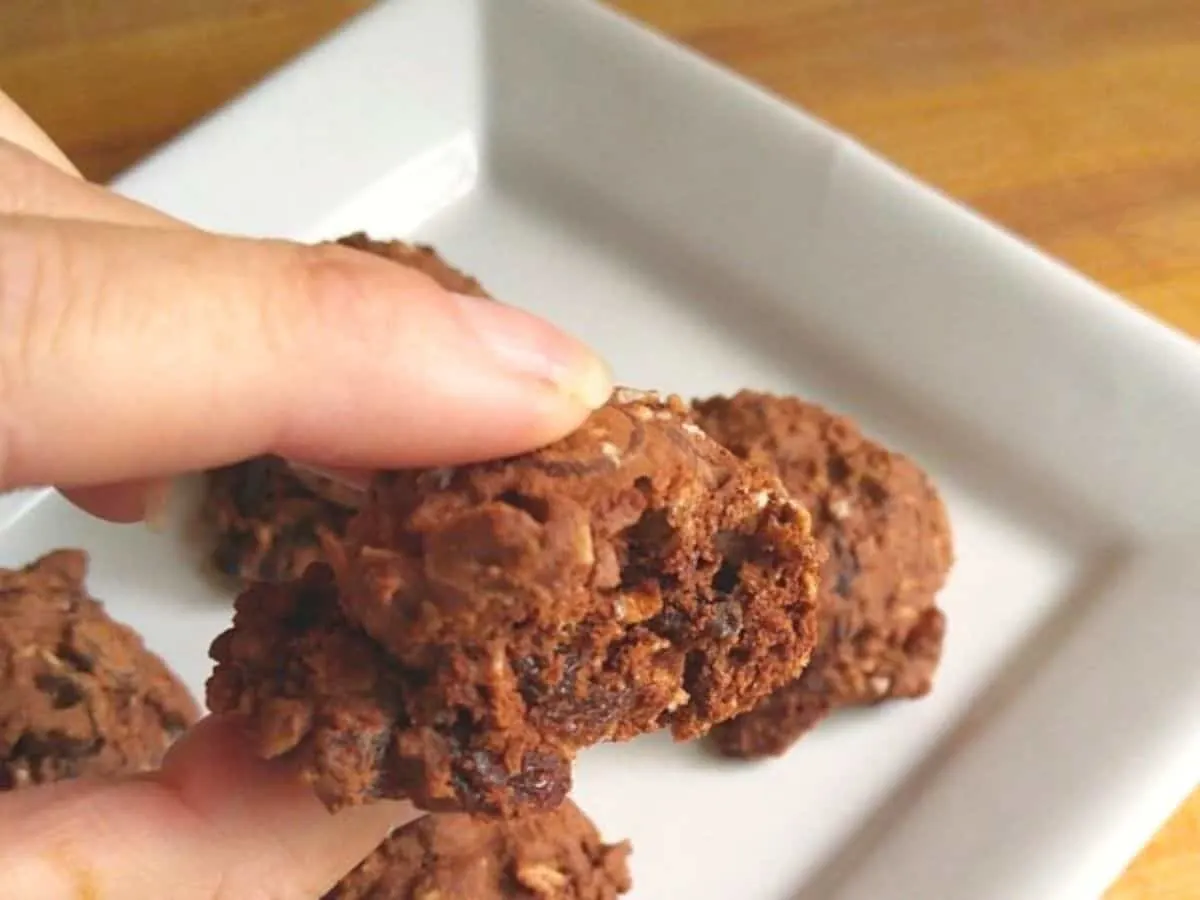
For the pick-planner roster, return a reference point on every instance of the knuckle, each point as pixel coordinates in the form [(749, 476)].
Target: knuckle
[(33, 301)]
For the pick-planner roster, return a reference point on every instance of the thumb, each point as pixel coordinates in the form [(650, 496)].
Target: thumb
[(214, 824), (129, 352)]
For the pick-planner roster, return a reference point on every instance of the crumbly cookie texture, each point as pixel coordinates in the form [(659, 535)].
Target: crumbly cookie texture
[(888, 544), (270, 520), (556, 855), (480, 625), (82, 696), (269, 524)]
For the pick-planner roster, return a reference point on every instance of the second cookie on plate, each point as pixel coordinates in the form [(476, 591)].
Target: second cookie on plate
[(80, 693), (888, 544)]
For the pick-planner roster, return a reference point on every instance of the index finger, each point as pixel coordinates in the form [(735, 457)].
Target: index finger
[(138, 353)]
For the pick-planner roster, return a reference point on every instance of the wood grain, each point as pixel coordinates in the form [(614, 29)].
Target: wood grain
[(1075, 124), (112, 80)]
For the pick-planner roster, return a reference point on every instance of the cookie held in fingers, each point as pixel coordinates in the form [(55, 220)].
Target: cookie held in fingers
[(481, 625), (889, 549), (557, 855), (80, 694)]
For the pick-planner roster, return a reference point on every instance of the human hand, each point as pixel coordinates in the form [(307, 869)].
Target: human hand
[(133, 349)]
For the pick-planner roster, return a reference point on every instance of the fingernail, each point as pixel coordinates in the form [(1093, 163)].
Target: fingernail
[(527, 345)]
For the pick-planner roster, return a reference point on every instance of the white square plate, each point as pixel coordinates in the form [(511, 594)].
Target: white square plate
[(707, 237)]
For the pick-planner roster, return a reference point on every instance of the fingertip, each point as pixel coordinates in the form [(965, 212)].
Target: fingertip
[(465, 378), (272, 823), (591, 384), (213, 767), (524, 344)]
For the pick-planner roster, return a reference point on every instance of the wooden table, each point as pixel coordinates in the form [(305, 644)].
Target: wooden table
[(1077, 124)]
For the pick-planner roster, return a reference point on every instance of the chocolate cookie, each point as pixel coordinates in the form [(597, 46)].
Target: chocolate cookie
[(269, 521), (487, 622), (556, 855), (888, 544), (268, 518), (79, 693)]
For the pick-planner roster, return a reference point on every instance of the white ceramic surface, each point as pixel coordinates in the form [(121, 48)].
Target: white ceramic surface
[(706, 237)]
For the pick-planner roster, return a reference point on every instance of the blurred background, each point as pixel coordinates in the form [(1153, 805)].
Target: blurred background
[(1075, 124)]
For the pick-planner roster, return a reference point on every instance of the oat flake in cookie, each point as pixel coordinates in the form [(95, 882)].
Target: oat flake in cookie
[(80, 695), (888, 541), (488, 622), (557, 855)]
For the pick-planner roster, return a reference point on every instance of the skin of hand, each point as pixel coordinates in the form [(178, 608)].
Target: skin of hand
[(134, 348)]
